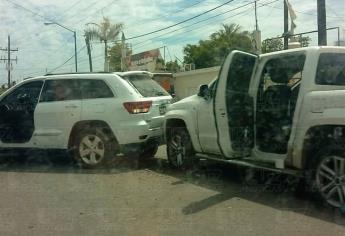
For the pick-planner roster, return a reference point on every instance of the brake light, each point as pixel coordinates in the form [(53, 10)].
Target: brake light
[(138, 107)]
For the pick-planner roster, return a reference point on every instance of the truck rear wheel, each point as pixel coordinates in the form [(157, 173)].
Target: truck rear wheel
[(329, 176), (180, 150)]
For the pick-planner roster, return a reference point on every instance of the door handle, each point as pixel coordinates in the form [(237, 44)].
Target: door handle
[(71, 106)]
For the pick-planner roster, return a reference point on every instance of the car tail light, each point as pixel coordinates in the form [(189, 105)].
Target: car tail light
[(138, 107)]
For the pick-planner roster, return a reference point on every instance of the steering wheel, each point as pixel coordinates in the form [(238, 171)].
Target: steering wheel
[(5, 108)]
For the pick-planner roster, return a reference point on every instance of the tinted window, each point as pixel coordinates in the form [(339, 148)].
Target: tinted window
[(331, 69), (60, 90), (145, 85), (240, 73), (29, 92), (95, 89)]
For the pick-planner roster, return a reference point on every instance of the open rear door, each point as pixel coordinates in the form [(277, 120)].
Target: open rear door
[(234, 108)]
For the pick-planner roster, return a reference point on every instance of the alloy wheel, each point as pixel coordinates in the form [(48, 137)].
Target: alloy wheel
[(91, 149), (330, 179), (177, 150)]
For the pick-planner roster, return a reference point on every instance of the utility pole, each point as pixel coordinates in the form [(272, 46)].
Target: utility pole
[(257, 33), (164, 57), (87, 41), (321, 22), (9, 60), (123, 53), (286, 26), (256, 18)]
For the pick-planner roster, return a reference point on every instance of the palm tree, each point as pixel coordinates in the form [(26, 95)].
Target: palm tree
[(231, 37), (105, 32)]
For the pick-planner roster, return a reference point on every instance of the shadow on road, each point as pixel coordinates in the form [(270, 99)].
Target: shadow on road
[(231, 183), (278, 191), (60, 162)]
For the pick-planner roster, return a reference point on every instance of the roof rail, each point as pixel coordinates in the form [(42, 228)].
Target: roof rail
[(76, 73)]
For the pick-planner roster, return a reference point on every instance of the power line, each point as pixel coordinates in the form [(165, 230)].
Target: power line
[(58, 67), (168, 39), (232, 16), (261, 5), (85, 9), (195, 23), (335, 14), (32, 12), (166, 16), (95, 12), (27, 9), (72, 6), (305, 13), (181, 22)]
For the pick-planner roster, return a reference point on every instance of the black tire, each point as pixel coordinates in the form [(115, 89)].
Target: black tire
[(149, 152), (180, 151), (93, 148), (326, 176)]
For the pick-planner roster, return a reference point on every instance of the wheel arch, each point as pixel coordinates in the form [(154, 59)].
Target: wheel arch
[(319, 137), (181, 122), (80, 125)]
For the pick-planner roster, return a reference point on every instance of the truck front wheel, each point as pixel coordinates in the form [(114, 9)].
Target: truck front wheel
[(180, 150)]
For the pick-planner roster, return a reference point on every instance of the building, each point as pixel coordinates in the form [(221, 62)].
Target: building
[(187, 83), (149, 61)]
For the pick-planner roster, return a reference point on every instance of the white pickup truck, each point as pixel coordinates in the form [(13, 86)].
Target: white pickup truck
[(281, 111)]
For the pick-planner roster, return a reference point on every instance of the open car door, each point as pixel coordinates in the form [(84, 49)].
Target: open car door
[(234, 108)]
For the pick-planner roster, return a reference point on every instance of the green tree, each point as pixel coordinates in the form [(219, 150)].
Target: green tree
[(115, 53), (172, 66), (201, 55), (272, 45), (304, 41), (213, 51), (105, 32), (228, 38)]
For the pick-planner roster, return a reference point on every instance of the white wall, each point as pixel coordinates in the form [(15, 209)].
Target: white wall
[(187, 83)]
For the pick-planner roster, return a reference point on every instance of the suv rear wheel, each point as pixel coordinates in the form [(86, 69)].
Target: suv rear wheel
[(93, 147)]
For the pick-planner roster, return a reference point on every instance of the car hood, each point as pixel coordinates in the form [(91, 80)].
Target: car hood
[(185, 103)]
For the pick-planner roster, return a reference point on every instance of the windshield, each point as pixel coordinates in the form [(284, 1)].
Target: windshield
[(145, 85)]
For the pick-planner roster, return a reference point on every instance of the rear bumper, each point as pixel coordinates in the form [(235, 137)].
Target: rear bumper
[(140, 132), (137, 148)]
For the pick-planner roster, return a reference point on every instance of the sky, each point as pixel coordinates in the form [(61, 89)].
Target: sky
[(45, 48)]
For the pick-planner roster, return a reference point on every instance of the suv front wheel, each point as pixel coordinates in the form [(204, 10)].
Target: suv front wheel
[(93, 148)]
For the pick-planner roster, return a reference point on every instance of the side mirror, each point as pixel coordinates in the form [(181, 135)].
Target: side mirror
[(204, 91)]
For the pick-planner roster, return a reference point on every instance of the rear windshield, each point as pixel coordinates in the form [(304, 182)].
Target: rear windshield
[(145, 85), (331, 69)]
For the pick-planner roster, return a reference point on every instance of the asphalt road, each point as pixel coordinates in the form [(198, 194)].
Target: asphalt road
[(47, 195)]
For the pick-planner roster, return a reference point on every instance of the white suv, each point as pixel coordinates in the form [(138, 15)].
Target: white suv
[(93, 115)]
